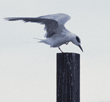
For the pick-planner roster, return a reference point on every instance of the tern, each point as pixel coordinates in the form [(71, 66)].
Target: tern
[(56, 33)]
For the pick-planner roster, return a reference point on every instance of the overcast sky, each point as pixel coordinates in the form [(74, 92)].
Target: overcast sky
[(28, 69)]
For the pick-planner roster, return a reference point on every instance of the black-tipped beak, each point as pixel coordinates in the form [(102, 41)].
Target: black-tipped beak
[(80, 48)]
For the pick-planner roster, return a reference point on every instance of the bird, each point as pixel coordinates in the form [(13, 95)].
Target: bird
[(56, 33)]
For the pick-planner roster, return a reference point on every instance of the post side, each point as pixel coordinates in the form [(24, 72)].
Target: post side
[(68, 77)]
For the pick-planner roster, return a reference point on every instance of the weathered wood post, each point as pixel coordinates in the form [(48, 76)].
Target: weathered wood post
[(68, 77)]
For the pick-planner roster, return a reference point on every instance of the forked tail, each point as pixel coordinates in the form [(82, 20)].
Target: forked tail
[(39, 39), (44, 41)]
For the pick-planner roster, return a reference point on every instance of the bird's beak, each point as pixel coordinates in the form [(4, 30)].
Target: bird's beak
[(80, 48)]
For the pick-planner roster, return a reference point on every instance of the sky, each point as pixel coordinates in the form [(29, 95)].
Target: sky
[(28, 68)]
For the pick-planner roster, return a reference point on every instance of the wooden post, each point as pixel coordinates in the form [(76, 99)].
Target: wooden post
[(68, 77)]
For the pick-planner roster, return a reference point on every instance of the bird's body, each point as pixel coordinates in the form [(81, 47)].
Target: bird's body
[(56, 33), (59, 38)]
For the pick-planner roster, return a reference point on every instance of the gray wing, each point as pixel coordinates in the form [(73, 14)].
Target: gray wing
[(50, 24)]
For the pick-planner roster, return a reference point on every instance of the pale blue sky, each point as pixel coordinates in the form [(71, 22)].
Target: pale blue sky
[(28, 69)]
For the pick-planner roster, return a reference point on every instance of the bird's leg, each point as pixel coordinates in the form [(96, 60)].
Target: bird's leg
[(60, 49)]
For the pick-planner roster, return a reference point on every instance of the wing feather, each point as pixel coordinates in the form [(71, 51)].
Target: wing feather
[(51, 22), (60, 18)]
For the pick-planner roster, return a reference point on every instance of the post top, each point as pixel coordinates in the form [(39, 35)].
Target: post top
[(69, 53)]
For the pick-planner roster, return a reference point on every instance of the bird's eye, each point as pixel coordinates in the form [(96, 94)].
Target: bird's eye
[(77, 38)]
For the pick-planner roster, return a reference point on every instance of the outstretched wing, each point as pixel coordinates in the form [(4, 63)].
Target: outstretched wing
[(51, 21), (50, 25)]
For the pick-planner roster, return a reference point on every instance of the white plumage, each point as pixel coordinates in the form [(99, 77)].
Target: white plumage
[(56, 33)]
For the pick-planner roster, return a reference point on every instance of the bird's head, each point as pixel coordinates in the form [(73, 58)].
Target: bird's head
[(77, 42)]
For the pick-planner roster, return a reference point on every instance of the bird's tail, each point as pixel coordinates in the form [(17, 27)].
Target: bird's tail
[(39, 39), (43, 41)]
